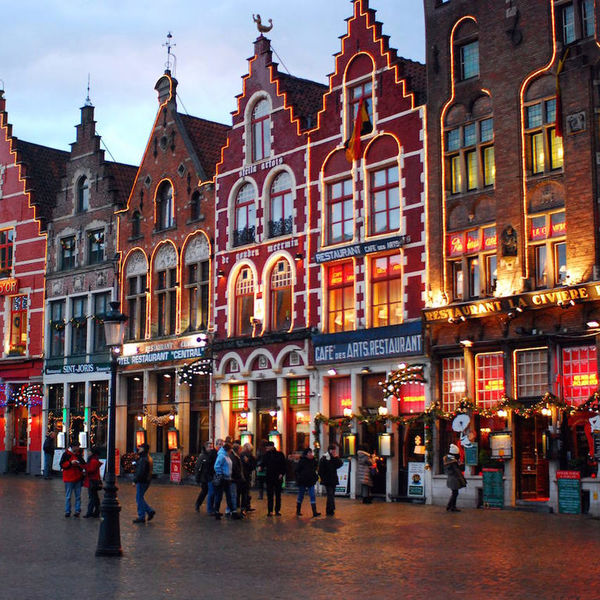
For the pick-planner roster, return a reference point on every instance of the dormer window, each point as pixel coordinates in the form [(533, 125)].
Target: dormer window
[(164, 207), (83, 194), (261, 131)]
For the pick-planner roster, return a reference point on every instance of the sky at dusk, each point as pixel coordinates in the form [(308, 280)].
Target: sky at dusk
[(48, 47)]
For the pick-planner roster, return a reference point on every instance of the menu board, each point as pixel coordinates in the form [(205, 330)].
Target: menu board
[(343, 487), (569, 492), (158, 460), (471, 455), (493, 488)]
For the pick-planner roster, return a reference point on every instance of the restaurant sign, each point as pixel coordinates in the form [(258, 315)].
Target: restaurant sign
[(9, 286), (78, 369), (189, 347), (362, 249), (531, 300), (380, 342)]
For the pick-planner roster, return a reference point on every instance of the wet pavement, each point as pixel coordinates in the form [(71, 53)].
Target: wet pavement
[(366, 551)]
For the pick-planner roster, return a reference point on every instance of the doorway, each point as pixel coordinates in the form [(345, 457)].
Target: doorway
[(533, 481), (19, 450), (266, 407)]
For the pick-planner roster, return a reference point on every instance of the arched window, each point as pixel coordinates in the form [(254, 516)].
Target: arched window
[(281, 296), (164, 206), (83, 194), (281, 206), (261, 131), (136, 224), (245, 220), (244, 302)]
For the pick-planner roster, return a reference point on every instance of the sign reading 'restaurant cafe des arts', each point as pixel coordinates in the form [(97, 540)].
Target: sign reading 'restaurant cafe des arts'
[(531, 300)]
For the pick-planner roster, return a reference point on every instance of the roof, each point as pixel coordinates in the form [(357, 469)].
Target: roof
[(416, 79), (207, 139), (123, 179), (304, 96)]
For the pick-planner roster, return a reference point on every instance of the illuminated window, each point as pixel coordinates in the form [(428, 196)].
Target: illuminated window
[(57, 328), (340, 396), (83, 194), (166, 298), (547, 234), (101, 307), (281, 296), (298, 392), (491, 273), (198, 286), (489, 377), (261, 131), (469, 156), (532, 372), (340, 297), (238, 394), (245, 216), (79, 325), (386, 290), (67, 253), (6, 252), (412, 398), (164, 206), (364, 92), (453, 382), (136, 304), (385, 201), (545, 149), (95, 246), (340, 216), (579, 373), (469, 60), (281, 220), (244, 302), (457, 280)]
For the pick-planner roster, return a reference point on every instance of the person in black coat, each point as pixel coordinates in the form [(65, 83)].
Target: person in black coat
[(212, 457), (237, 479), (248, 467), (306, 477), (328, 465), (201, 474), (275, 468), (142, 479)]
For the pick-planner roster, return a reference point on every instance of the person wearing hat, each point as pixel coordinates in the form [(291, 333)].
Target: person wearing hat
[(456, 479), (72, 463), (306, 477), (142, 479)]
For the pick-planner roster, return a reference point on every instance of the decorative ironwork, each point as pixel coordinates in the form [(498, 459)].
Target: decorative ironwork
[(281, 227), (243, 236)]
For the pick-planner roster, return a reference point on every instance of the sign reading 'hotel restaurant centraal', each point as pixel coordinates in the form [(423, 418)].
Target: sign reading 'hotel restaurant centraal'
[(532, 300), (155, 352)]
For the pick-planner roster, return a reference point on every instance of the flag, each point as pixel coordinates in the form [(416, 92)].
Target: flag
[(558, 130), (362, 126)]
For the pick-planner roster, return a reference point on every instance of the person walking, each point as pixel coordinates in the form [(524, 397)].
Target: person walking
[(142, 479), (222, 480), (93, 483), (366, 465), (201, 474), (212, 457), (275, 468), (49, 448), (71, 463), (306, 477), (248, 467), (455, 479), (328, 466)]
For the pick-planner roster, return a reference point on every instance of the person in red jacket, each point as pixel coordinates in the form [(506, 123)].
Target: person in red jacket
[(72, 463), (93, 483)]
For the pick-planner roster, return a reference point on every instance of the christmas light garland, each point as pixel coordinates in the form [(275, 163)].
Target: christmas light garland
[(163, 419), (202, 366)]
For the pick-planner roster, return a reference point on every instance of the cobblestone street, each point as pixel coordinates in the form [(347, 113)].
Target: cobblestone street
[(376, 551)]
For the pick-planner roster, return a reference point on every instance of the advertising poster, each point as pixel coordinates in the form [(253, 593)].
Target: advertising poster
[(343, 487), (176, 467), (416, 477)]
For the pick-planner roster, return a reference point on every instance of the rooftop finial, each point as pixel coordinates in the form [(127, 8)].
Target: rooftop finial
[(88, 102), (262, 28), (171, 58)]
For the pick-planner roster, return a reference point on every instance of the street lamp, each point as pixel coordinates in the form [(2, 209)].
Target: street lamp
[(109, 538)]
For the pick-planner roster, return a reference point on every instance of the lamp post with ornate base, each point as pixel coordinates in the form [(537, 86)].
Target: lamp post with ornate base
[(109, 538)]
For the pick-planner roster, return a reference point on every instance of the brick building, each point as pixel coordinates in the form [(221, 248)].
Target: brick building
[(166, 245), (29, 177), (81, 279), (513, 253)]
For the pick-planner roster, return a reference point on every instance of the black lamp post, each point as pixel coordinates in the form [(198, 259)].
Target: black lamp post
[(109, 538)]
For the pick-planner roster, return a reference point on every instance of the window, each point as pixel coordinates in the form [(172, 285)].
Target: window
[(195, 204), (453, 382), (532, 372), (385, 201), (340, 217), (83, 194), (244, 302), (261, 131), (340, 396), (469, 156), (245, 216), (473, 264), (340, 297), (136, 224), (547, 236), (544, 148), (298, 392), (95, 246), (136, 305), (579, 373), (101, 307), (6, 251), (364, 92), (67, 253), (568, 24), (198, 285), (281, 296), (469, 60), (164, 207), (489, 377), (166, 298), (238, 394), (18, 324), (588, 19), (281, 206), (386, 290), (57, 328), (78, 325)]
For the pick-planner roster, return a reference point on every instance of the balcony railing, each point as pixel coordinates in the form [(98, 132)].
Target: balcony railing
[(244, 236), (280, 227)]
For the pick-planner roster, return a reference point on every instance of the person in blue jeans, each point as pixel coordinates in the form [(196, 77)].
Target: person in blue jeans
[(222, 482), (72, 463), (212, 457), (306, 478), (142, 479)]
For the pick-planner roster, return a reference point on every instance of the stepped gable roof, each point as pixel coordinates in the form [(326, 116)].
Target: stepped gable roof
[(43, 169), (416, 78), (207, 139), (305, 97)]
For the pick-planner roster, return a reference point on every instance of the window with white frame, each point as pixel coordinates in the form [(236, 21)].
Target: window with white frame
[(198, 286), (57, 328), (281, 296), (136, 304), (244, 216), (386, 290), (579, 373), (260, 126), (489, 378), (384, 216), (280, 203), (531, 369), (340, 215), (453, 382), (244, 302), (544, 148), (166, 298), (164, 206), (79, 325), (83, 194), (468, 57)]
